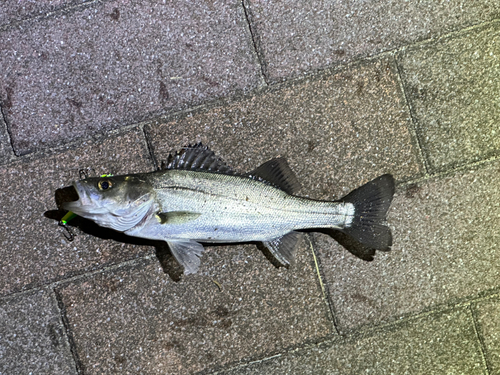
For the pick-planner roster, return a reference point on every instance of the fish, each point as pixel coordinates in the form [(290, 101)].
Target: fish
[(195, 198)]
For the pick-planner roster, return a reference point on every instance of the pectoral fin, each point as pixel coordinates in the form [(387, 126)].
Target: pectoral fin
[(187, 253), (283, 248), (177, 217)]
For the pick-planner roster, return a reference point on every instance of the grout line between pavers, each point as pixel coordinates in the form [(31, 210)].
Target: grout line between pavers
[(55, 284), (255, 41), (150, 147), (328, 340), (369, 331), (241, 365), (440, 308), (452, 171), (351, 336), (75, 143), (480, 338), (63, 320), (49, 14), (450, 34), (6, 131), (413, 128), (222, 101)]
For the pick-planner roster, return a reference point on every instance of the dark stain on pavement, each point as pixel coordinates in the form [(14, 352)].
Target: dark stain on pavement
[(361, 298), (218, 318), (75, 103), (54, 335), (115, 14), (359, 87), (339, 52), (311, 145), (211, 82), (8, 100), (164, 95), (412, 190)]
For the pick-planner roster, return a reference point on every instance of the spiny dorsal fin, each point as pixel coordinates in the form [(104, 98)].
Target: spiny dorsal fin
[(277, 172), (197, 157)]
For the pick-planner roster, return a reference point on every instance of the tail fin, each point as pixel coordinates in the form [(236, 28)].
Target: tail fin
[(371, 203)]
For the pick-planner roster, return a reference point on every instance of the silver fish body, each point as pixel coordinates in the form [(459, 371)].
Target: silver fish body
[(190, 203), (212, 207)]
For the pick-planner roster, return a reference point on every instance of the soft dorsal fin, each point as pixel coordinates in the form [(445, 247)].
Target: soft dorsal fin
[(196, 157), (278, 173)]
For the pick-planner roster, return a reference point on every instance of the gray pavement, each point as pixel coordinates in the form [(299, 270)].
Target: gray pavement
[(345, 91)]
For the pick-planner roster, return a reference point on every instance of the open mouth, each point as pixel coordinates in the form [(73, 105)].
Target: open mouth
[(83, 199)]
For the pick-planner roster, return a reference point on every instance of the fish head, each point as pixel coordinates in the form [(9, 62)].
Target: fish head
[(119, 202)]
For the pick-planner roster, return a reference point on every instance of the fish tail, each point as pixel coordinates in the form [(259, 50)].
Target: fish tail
[(371, 203)]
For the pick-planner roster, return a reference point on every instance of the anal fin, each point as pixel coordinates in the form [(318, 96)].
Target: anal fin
[(188, 254), (283, 248)]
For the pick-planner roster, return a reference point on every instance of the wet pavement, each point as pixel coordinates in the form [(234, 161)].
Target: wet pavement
[(345, 91)]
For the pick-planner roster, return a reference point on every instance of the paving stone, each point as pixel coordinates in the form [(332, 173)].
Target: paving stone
[(296, 36), (337, 130), (33, 249), (32, 340), (445, 249), (453, 88), (436, 344), (238, 305), (15, 10), (488, 315), (119, 62)]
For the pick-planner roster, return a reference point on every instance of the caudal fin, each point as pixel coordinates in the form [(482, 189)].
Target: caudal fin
[(371, 202)]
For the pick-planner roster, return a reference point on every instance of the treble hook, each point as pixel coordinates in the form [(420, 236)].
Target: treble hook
[(68, 234), (85, 172), (64, 223)]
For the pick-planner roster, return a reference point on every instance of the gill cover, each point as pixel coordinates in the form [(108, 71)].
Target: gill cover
[(119, 202)]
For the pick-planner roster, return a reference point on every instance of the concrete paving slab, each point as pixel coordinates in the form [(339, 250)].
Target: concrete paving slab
[(296, 36), (337, 130), (119, 62), (33, 249), (453, 88), (238, 305), (445, 249), (435, 344), (32, 339), (15, 10), (488, 316)]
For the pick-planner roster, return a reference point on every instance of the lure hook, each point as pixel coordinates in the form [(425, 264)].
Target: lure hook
[(67, 233), (86, 172)]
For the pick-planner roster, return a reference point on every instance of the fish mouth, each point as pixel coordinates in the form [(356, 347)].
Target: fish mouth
[(82, 202)]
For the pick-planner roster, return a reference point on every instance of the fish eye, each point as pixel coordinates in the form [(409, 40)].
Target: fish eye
[(104, 185)]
